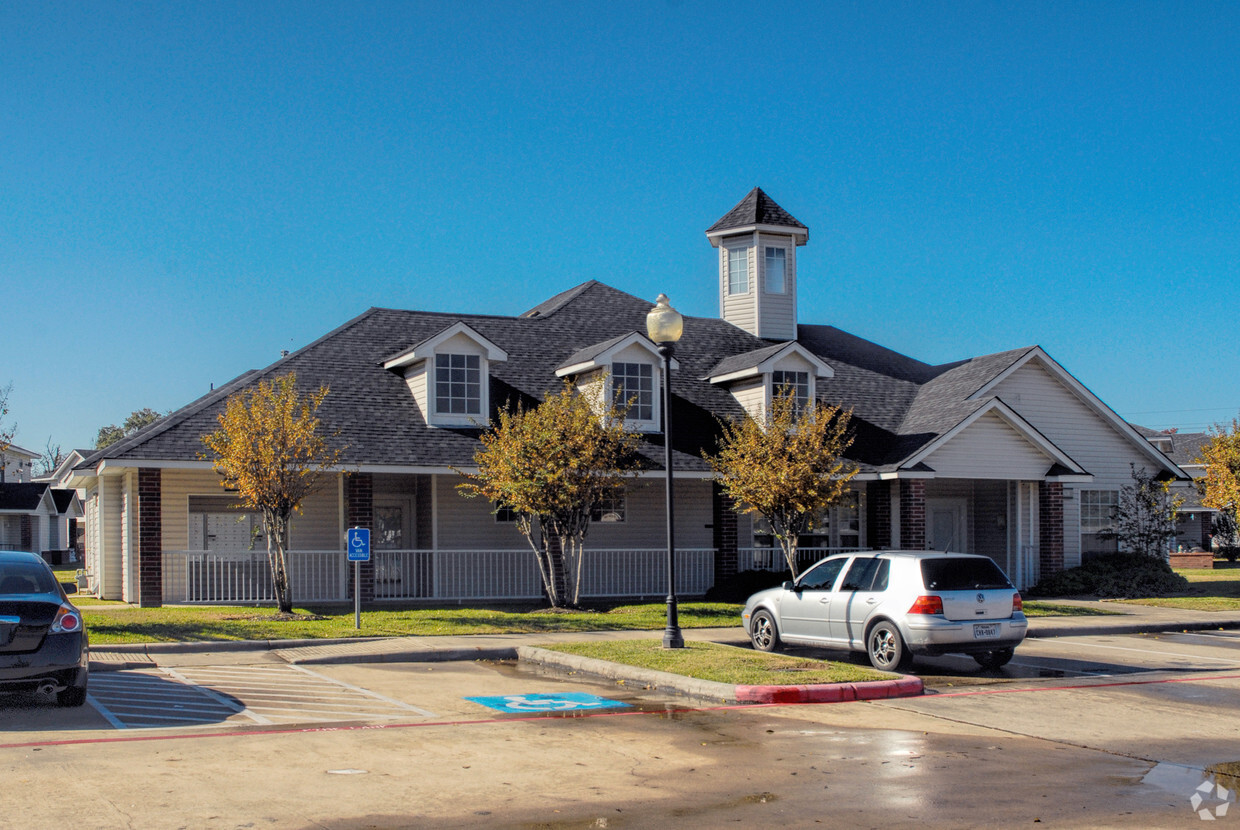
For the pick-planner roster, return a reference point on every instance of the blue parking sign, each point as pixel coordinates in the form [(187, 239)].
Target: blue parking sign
[(358, 544)]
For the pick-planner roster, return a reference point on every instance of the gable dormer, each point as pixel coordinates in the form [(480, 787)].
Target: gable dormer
[(754, 378), (449, 375), (757, 242), (627, 370)]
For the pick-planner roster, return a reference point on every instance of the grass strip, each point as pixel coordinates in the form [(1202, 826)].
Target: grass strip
[(722, 664), (1038, 608), (116, 624)]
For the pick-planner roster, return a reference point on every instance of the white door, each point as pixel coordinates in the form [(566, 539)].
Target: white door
[(945, 524)]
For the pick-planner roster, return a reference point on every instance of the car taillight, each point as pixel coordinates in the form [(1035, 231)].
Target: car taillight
[(1018, 604), (67, 620), (927, 605)]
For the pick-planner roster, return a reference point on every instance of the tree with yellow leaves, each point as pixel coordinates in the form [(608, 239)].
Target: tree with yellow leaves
[(269, 449), (552, 465), (786, 466), (1220, 487)]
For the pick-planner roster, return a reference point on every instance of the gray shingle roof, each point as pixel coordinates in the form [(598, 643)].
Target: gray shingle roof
[(755, 209), (899, 404), (21, 496)]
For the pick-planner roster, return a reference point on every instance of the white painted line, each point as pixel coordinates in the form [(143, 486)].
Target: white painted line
[(223, 701), (367, 692), (1047, 668), (1181, 656), (101, 709)]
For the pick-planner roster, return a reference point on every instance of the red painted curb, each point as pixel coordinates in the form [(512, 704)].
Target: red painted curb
[(907, 686)]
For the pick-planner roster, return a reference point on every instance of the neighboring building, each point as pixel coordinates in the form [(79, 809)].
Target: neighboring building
[(16, 464), (1005, 455), (1194, 525), (37, 517)]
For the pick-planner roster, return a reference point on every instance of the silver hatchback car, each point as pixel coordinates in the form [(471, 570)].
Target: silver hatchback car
[(893, 605)]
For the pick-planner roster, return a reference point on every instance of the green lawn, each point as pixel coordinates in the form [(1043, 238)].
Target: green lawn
[(120, 623), (722, 664), (1216, 589)]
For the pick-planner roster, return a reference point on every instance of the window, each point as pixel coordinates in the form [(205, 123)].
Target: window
[(776, 259), (795, 382), (633, 387), (1097, 516), (821, 577), (610, 509), (458, 384), (738, 270), (861, 575), (505, 515)]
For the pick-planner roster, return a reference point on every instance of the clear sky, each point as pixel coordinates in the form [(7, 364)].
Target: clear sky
[(188, 188)]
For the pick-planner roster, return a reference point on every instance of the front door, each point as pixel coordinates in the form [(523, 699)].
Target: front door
[(945, 524)]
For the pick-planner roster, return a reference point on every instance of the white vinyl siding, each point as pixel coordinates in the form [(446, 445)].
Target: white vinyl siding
[(751, 395), (777, 312), (740, 310), (990, 448)]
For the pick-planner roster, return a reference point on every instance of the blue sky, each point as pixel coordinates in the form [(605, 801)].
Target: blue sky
[(188, 188)]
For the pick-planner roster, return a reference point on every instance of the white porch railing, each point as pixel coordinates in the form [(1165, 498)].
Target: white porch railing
[(243, 577), (772, 559)]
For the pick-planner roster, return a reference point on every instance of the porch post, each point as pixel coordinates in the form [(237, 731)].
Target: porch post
[(150, 538), (878, 514), (27, 533), (359, 493), (913, 514), (723, 523), (1050, 527)]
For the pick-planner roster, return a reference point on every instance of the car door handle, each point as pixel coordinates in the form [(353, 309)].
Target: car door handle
[(824, 600), (871, 600)]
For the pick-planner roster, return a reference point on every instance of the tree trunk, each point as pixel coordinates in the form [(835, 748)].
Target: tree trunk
[(277, 534), (789, 544)]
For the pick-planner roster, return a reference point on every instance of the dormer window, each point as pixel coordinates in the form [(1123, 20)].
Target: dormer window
[(458, 384), (776, 270), (632, 386), (738, 270), (449, 375), (794, 383)]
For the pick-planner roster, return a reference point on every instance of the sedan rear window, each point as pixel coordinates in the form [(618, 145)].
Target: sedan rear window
[(962, 574), (26, 578)]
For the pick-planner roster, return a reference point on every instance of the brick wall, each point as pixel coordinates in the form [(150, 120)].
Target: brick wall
[(723, 520), (878, 514), (359, 494), (150, 539), (1050, 527), (913, 514)]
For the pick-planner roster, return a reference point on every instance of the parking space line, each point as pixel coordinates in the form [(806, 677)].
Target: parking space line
[(1233, 661)]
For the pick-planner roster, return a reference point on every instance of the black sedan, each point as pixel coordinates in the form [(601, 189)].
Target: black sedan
[(42, 639)]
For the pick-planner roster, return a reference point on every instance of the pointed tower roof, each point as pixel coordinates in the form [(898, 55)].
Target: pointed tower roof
[(757, 211)]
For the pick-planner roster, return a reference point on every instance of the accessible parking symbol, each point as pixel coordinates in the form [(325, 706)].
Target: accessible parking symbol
[(559, 702)]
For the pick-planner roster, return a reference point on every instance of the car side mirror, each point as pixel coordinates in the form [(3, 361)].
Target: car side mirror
[(70, 587), (789, 586)]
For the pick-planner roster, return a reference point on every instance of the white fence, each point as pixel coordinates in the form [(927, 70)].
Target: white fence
[(772, 559), (225, 577)]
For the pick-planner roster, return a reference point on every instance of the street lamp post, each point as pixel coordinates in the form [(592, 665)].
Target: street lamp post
[(665, 325)]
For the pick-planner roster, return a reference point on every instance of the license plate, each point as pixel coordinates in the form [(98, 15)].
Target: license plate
[(982, 631)]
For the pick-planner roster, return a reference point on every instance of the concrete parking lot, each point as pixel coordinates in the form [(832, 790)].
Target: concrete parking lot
[(1091, 731)]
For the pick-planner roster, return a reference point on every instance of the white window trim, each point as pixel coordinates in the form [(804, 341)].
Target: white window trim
[(766, 285), (743, 250), (656, 403), (456, 419)]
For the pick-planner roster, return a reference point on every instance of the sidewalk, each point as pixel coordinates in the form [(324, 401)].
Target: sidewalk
[(1130, 619)]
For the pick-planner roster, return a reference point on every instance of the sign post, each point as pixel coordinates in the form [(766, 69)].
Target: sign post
[(358, 547)]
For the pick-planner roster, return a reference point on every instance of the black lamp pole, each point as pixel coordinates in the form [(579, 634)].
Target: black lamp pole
[(672, 638)]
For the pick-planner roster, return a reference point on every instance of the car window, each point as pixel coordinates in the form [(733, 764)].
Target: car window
[(26, 578), (962, 574), (882, 576), (860, 575), (822, 576)]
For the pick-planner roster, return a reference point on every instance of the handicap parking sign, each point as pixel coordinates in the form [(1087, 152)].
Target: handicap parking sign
[(358, 539), (558, 702)]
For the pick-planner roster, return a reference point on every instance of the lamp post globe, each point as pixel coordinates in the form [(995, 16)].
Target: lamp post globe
[(665, 325)]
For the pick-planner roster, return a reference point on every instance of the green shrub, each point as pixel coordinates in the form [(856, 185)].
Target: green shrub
[(740, 587), (1231, 554), (1115, 576)]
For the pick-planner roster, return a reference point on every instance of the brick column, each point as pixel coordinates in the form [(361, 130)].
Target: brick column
[(27, 534), (359, 494), (723, 522), (1050, 527), (913, 514), (150, 539), (878, 514)]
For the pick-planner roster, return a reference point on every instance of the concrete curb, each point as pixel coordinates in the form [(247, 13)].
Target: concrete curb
[(904, 686)]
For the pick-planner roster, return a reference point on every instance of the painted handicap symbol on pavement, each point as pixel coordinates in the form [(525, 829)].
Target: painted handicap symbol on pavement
[(558, 702)]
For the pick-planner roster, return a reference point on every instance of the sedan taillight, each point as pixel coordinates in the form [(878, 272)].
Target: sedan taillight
[(67, 620), (927, 605), (1018, 604)]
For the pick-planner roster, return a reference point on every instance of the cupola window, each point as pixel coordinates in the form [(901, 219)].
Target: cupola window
[(776, 269)]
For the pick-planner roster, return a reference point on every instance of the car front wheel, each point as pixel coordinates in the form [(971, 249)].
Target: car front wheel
[(886, 648), (763, 632), (996, 659)]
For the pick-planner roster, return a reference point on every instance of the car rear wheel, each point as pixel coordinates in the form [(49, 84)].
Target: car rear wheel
[(72, 696), (763, 632), (886, 648), (996, 659)]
